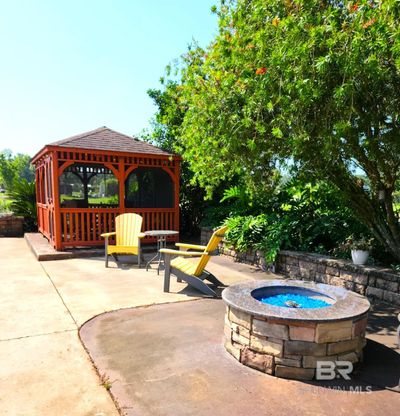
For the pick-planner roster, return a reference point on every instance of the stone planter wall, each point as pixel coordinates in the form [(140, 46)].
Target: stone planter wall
[(375, 282), (11, 226), (205, 234)]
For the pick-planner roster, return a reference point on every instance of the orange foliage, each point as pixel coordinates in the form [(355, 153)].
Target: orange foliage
[(261, 71)]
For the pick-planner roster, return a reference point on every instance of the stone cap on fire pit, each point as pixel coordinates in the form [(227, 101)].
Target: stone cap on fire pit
[(345, 304)]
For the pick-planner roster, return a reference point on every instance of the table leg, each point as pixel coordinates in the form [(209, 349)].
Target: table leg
[(154, 259), (162, 244), (159, 257)]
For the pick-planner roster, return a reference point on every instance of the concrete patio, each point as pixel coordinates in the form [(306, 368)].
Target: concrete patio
[(45, 369), (170, 360)]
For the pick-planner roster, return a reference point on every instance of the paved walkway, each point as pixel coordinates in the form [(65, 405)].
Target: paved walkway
[(44, 369)]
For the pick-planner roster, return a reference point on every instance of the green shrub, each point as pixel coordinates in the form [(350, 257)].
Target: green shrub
[(299, 216), (215, 215), (262, 232), (244, 232), (24, 202), (5, 205)]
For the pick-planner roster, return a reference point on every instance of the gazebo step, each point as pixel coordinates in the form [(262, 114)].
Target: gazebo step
[(44, 251)]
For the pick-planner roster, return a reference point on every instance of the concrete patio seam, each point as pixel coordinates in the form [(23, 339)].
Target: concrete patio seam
[(96, 369), (59, 294), (147, 305), (37, 335), (93, 363)]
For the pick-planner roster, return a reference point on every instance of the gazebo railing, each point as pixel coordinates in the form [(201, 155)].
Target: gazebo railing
[(84, 226)]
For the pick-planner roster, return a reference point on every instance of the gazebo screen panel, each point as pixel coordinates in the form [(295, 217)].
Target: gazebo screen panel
[(88, 186), (149, 188)]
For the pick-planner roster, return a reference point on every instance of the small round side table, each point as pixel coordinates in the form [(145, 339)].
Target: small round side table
[(161, 236)]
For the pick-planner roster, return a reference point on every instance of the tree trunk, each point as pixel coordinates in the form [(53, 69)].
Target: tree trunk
[(382, 222)]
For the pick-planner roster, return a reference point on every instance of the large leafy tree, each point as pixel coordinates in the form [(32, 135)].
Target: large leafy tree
[(313, 84), (163, 133), (14, 168)]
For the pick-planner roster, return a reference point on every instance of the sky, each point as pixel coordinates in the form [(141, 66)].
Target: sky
[(69, 66)]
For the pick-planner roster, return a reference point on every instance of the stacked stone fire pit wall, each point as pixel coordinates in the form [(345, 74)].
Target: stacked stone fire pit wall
[(291, 349)]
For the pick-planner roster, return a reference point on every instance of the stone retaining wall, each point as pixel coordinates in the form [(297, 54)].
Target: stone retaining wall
[(205, 234), (375, 282), (11, 226)]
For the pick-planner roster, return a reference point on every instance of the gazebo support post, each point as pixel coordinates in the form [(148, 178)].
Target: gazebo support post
[(85, 181), (56, 203), (121, 184), (176, 191)]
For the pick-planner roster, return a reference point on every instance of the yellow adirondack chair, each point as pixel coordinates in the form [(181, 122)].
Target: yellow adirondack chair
[(190, 272), (128, 235)]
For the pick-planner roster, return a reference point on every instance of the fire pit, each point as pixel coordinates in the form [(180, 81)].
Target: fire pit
[(285, 327)]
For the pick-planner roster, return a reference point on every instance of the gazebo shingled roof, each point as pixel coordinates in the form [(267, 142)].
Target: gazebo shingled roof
[(105, 138), (101, 151)]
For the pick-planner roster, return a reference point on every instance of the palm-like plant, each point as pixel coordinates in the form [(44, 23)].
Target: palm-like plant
[(23, 203)]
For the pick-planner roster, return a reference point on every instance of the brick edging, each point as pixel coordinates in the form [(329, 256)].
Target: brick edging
[(11, 226)]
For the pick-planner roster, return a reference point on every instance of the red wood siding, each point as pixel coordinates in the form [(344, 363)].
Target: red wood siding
[(74, 227)]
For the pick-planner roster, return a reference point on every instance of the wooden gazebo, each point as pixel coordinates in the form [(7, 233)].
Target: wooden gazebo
[(85, 181)]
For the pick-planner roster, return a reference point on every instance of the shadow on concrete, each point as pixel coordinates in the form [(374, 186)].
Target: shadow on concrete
[(130, 263), (380, 370), (192, 292), (381, 366), (383, 318)]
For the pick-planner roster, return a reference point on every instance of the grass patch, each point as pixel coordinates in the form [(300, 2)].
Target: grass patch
[(5, 203)]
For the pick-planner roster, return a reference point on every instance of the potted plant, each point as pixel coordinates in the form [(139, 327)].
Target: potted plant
[(360, 249)]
